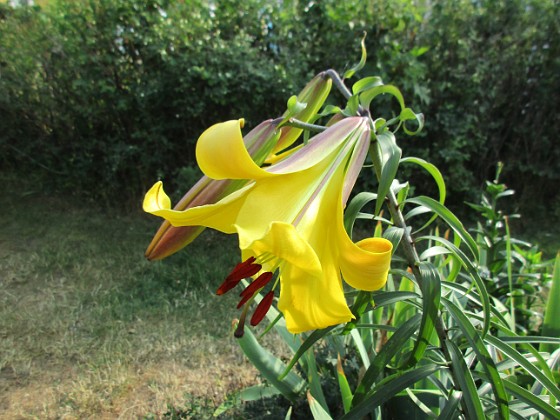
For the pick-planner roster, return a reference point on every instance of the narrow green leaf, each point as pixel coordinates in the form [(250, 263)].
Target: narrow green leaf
[(528, 397), (344, 386), (473, 273), (317, 409), (438, 178), (467, 292), (288, 414), (257, 392), (433, 171), (408, 114), (466, 384), (531, 339), (431, 294), (551, 323), (394, 344), (391, 155), (449, 218), (370, 94), (352, 106), (433, 251), (356, 337), (388, 298), (477, 344), (450, 410), (394, 235), (353, 209), (388, 388), (309, 341), (366, 83), (314, 381), (349, 73), (521, 360), (403, 309), (510, 276), (271, 367)]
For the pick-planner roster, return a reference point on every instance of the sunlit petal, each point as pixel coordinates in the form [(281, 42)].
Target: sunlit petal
[(221, 153)]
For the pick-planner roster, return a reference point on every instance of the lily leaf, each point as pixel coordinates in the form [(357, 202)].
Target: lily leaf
[(271, 367), (551, 324), (349, 73)]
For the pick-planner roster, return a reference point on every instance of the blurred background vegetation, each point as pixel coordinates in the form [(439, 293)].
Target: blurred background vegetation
[(101, 98)]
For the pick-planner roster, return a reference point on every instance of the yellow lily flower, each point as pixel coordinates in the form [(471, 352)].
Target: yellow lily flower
[(289, 218)]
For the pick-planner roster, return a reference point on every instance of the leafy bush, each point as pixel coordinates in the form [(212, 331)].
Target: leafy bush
[(99, 97), (113, 93)]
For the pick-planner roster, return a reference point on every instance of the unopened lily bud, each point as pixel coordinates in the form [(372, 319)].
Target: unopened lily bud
[(313, 95)]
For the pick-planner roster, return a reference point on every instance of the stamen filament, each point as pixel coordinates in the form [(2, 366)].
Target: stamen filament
[(240, 330)]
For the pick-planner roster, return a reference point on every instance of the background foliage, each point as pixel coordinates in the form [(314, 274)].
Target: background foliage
[(100, 98)]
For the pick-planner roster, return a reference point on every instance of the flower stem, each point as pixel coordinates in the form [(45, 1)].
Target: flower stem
[(292, 122)]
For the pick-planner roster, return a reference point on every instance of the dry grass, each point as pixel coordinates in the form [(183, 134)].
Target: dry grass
[(89, 329)]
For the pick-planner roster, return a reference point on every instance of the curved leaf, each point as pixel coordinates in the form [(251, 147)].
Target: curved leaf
[(438, 178), (366, 83), (521, 360), (528, 397), (449, 218), (349, 73), (370, 94), (408, 114)]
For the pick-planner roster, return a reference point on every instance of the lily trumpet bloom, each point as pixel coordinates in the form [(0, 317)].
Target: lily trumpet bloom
[(262, 143), (289, 218)]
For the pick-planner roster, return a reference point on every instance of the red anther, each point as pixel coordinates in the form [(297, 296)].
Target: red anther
[(259, 282), (262, 308), (241, 265), (240, 272), (250, 290)]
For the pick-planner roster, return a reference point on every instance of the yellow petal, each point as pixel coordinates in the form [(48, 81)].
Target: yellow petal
[(284, 242), (221, 153), (156, 198), (220, 216), (365, 265), (312, 302)]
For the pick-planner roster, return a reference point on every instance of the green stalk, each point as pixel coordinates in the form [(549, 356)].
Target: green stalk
[(510, 275)]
